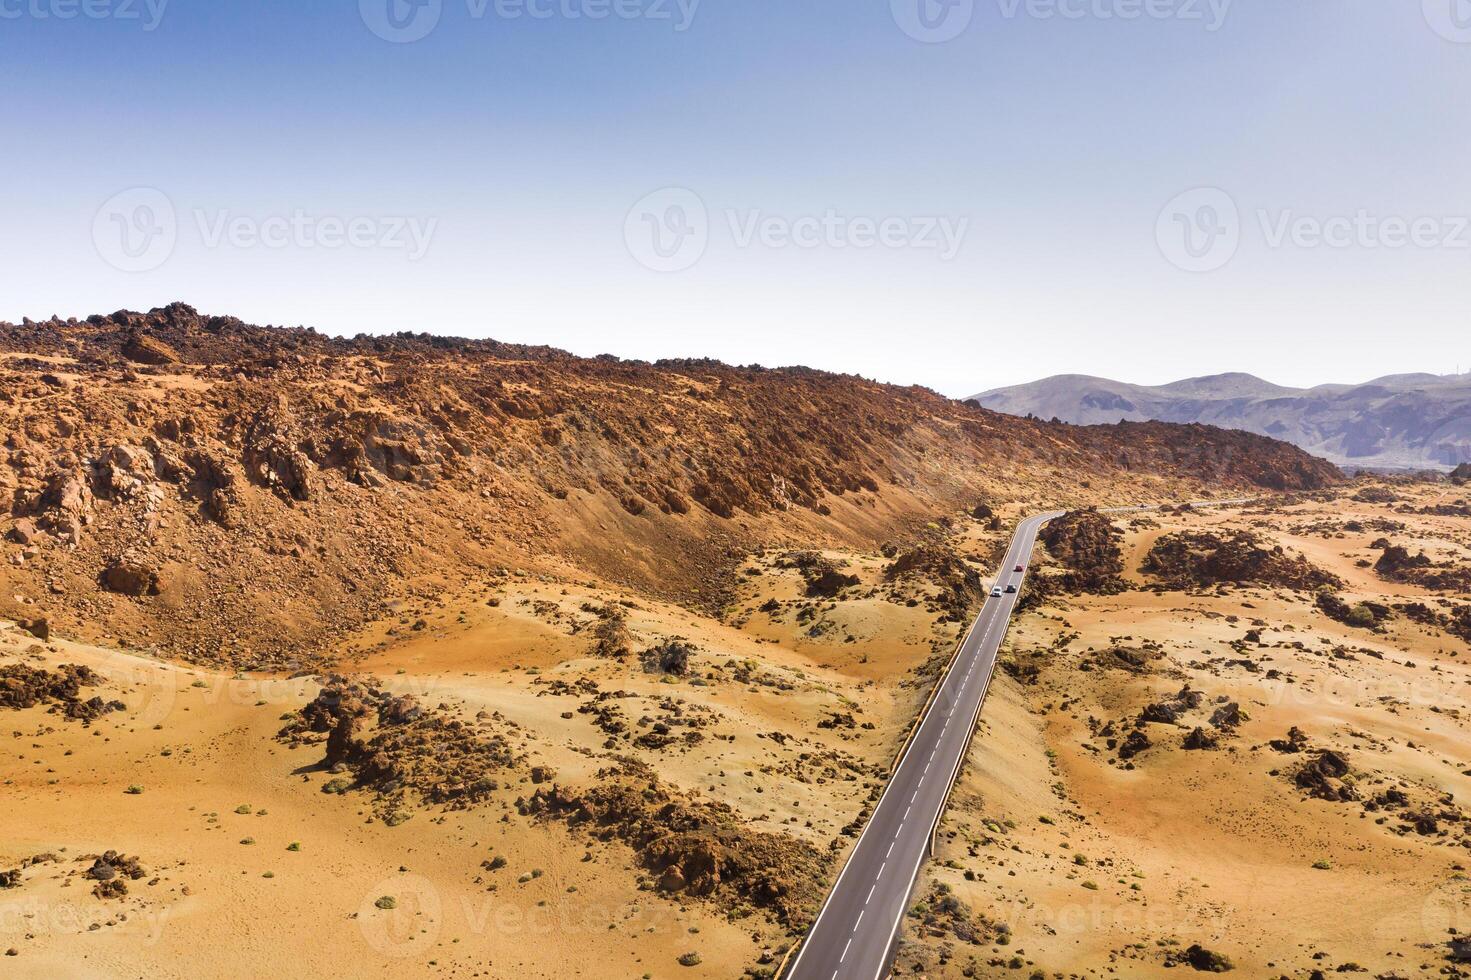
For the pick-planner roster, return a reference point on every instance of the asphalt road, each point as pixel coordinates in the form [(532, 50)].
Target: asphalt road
[(855, 930)]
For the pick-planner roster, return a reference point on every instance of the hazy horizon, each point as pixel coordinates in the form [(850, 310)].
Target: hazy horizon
[(696, 355)]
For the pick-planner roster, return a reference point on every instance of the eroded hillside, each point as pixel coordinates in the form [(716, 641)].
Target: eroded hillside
[(249, 496)]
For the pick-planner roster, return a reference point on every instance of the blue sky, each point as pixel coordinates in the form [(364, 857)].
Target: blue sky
[(1008, 203)]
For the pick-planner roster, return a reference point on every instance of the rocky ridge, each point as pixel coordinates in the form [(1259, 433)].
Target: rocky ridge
[(251, 495)]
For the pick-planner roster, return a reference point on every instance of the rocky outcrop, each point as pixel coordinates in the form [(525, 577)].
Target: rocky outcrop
[(1361, 615), (214, 481), (691, 846), (1323, 777), (112, 871), (1295, 742), (1455, 620), (1199, 739), (24, 531), (273, 461), (669, 657), (23, 686), (960, 586), (1200, 959), (822, 576), (1194, 559), (1397, 564), (611, 636), (1168, 711), (1088, 544), (401, 752)]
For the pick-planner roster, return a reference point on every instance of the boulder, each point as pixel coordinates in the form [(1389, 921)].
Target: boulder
[(1295, 741), (1136, 742), (400, 710), (130, 577), (143, 349), (1207, 961), (1322, 778), (39, 627), (24, 531), (669, 657), (1228, 716), (1200, 739)]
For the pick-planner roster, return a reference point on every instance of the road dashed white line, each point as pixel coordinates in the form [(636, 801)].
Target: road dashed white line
[(956, 695)]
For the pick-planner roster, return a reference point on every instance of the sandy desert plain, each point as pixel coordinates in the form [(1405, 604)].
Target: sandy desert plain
[(413, 657), (1082, 841)]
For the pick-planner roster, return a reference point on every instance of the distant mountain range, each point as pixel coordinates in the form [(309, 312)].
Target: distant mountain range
[(1402, 421)]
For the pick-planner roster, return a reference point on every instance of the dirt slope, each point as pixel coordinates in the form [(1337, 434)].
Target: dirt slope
[(249, 495)]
